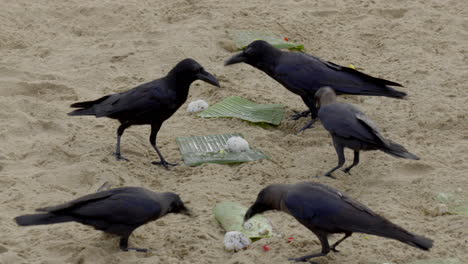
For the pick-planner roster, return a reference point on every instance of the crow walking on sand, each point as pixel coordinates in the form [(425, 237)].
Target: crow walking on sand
[(351, 128), (325, 210), (117, 211), (151, 103), (304, 74)]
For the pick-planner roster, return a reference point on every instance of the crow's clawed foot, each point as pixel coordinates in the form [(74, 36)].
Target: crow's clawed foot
[(298, 115), (137, 249), (304, 128), (334, 249), (302, 259), (330, 175), (164, 163), (347, 171), (118, 156), (308, 257)]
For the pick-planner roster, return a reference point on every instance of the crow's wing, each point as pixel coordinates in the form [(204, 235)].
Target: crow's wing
[(148, 97), (305, 74), (125, 208), (77, 202), (126, 205), (370, 125), (345, 120), (323, 208)]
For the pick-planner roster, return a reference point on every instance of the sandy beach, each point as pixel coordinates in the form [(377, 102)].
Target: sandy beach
[(54, 53)]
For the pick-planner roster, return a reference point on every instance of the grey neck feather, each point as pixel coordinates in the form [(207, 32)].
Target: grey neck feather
[(275, 195), (165, 200), (328, 97)]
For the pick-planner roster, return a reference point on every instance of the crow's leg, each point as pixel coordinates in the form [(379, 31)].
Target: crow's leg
[(333, 247), (341, 159), (310, 102), (120, 132), (355, 162), (325, 249), (313, 108), (154, 132), (299, 115), (124, 246)]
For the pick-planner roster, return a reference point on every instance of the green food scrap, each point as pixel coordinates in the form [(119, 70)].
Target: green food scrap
[(457, 203), (236, 106), (197, 150), (231, 217)]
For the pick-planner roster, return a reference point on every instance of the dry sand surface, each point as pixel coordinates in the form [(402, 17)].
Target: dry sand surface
[(53, 53)]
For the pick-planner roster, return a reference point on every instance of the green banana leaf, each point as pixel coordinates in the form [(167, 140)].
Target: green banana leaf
[(211, 149), (242, 38), (457, 203), (231, 217), (236, 106)]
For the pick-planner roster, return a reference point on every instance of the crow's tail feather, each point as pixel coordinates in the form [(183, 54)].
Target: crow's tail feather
[(389, 230), (80, 112), (375, 86), (42, 219), (398, 150), (87, 104)]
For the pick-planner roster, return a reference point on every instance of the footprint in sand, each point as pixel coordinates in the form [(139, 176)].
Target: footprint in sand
[(44, 90), (415, 169), (390, 13)]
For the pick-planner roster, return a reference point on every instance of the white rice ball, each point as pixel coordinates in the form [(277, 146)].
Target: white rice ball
[(235, 240), (237, 144), (197, 106)]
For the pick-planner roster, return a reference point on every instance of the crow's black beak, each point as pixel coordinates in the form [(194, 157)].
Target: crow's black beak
[(186, 212), (248, 214), (239, 57), (207, 77)]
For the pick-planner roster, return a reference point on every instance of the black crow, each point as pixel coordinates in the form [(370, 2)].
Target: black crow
[(351, 128), (304, 74), (117, 211), (151, 103), (325, 210)]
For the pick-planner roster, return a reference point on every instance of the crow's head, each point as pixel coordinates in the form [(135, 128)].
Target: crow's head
[(191, 70), (259, 54), (176, 205), (269, 198)]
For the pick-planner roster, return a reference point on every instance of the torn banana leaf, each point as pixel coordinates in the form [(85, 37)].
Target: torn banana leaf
[(242, 38), (236, 106), (231, 217), (212, 149)]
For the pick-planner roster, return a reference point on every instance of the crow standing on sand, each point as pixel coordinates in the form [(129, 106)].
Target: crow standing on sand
[(148, 104), (117, 211), (351, 128), (325, 210), (304, 74)]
